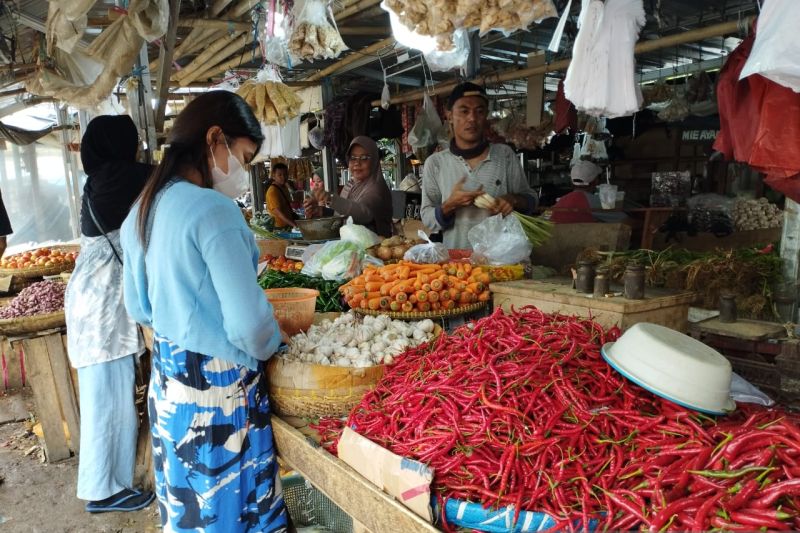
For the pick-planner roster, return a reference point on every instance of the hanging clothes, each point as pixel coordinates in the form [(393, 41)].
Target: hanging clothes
[(600, 79)]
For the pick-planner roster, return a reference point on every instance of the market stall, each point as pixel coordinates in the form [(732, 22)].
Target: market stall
[(510, 379)]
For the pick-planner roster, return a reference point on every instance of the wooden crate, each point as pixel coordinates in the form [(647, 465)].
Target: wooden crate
[(556, 295), (55, 390), (760, 353)]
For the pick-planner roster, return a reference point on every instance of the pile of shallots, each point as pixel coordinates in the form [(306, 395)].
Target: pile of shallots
[(38, 299)]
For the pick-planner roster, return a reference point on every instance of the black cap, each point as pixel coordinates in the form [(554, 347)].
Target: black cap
[(466, 89)]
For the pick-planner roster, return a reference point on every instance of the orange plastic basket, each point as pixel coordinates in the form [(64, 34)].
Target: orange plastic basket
[(294, 308)]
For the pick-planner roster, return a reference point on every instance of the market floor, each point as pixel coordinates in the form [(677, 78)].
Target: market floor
[(40, 498)]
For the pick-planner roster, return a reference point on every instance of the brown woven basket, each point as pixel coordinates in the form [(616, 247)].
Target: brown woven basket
[(309, 390), (32, 324), (399, 315), (39, 272)]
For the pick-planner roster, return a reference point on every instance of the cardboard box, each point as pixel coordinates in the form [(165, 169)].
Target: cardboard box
[(408, 481)]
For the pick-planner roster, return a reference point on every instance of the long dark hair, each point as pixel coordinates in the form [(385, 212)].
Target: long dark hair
[(187, 145)]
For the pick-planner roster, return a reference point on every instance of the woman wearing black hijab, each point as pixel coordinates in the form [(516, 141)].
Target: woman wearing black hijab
[(103, 341)]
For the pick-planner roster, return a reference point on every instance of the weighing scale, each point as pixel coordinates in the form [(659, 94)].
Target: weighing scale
[(296, 248)]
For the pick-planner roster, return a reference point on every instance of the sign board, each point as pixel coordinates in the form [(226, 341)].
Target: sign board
[(699, 135)]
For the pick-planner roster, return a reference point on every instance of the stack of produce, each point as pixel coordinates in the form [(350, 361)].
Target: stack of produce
[(409, 287), (756, 214), (328, 300), (350, 342), (393, 249), (441, 17), (752, 273), (282, 264), (41, 258), (522, 410), (263, 225), (272, 101), (38, 299)]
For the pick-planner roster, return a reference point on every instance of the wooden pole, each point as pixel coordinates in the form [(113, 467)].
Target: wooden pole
[(231, 63), (364, 30), (208, 55), (214, 24), (165, 63), (202, 66), (642, 47), (351, 58), (355, 8)]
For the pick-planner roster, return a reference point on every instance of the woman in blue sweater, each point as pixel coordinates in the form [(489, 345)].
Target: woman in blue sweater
[(190, 274)]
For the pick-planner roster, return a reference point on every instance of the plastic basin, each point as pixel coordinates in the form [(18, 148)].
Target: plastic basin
[(674, 366)]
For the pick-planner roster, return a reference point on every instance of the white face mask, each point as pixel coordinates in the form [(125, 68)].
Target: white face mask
[(235, 182)]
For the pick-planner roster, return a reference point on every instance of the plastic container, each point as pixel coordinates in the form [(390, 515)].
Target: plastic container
[(294, 308), (674, 366), (634, 282), (608, 195), (309, 508)]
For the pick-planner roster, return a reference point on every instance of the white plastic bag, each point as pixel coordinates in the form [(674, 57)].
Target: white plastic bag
[(359, 235), (335, 260), (745, 392), (314, 35), (426, 128), (290, 138), (455, 58), (499, 241), (386, 97), (776, 48), (430, 252)]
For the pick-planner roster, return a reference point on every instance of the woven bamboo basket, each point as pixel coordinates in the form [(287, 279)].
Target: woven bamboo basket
[(39, 272), (399, 315), (310, 390), (31, 324)]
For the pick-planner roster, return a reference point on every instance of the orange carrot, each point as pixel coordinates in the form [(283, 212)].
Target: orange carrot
[(401, 297), (484, 296), (436, 284), (395, 306), (435, 306), (373, 286), (408, 307), (375, 303), (433, 296), (424, 307), (422, 296)]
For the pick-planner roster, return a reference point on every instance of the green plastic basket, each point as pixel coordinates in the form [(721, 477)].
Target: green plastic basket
[(309, 507)]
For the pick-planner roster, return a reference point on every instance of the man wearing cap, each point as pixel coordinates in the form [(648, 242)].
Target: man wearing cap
[(582, 205), (453, 178)]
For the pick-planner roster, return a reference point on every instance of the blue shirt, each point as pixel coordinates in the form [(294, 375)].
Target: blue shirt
[(196, 285)]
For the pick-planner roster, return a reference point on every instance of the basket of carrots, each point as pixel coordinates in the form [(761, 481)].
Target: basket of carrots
[(407, 290)]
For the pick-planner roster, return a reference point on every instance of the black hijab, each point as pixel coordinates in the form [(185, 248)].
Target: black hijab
[(115, 179)]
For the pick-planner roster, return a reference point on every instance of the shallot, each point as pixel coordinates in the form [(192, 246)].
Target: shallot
[(38, 299)]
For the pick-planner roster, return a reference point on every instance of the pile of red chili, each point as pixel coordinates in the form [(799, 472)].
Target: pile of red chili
[(520, 409)]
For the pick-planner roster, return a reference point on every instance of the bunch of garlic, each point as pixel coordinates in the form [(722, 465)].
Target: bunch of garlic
[(350, 342), (756, 214)]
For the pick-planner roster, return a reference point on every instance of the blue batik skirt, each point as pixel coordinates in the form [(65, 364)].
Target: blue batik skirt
[(213, 452)]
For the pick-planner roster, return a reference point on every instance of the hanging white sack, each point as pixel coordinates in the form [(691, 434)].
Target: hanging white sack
[(776, 49)]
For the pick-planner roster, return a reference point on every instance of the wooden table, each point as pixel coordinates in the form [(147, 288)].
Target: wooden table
[(556, 295), (369, 506)]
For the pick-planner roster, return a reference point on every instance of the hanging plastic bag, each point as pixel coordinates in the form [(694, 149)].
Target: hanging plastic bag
[(776, 48), (315, 35), (336, 260), (290, 138), (455, 58), (427, 253), (359, 235), (386, 97), (426, 128), (499, 240)]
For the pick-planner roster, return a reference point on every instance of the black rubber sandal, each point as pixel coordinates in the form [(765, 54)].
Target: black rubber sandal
[(124, 501)]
